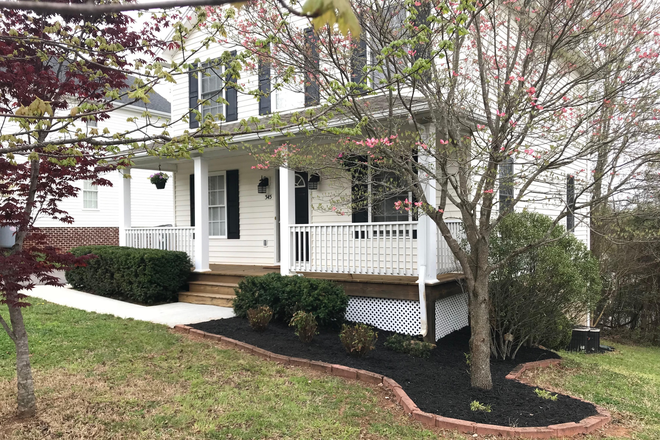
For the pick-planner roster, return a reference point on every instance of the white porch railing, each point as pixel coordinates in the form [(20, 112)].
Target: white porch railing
[(358, 248), (446, 261), (170, 239)]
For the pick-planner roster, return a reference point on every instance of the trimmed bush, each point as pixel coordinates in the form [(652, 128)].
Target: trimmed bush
[(305, 324), (146, 276), (358, 339), (259, 317), (537, 297), (409, 345), (287, 295)]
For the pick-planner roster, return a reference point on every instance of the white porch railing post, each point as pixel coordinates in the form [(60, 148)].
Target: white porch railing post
[(124, 207), (427, 243), (201, 169), (287, 218)]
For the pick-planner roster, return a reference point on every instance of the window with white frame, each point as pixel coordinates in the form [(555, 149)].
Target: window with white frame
[(288, 97), (386, 190), (210, 86), (90, 195), (393, 25), (217, 205)]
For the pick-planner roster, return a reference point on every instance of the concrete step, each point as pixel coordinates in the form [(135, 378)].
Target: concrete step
[(212, 299), (212, 287), (213, 277)]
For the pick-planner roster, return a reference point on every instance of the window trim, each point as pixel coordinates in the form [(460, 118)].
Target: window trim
[(370, 215), (218, 93), (93, 189), (224, 175)]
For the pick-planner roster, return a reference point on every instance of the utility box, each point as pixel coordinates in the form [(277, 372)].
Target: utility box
[(585, 339)]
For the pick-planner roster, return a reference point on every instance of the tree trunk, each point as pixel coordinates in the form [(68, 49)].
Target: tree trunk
[(27, 403), (480, 338)]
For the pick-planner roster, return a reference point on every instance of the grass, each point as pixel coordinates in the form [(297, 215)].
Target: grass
[(102, 377), (626, 381)]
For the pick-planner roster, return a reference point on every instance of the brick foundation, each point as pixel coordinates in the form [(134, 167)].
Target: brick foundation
[(67, 238)]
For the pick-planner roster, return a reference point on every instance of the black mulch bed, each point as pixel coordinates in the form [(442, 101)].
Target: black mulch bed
[(439, 385)]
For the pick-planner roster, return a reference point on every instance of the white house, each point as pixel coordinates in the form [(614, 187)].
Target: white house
[(235, 219)]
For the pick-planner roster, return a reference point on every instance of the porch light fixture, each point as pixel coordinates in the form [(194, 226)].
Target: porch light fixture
[(262, 188), (314, 180)]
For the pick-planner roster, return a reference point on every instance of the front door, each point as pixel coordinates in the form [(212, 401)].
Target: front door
[(302, 216)]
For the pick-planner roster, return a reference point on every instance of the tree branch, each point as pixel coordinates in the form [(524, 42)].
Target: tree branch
[(9, 331), (94, 10)]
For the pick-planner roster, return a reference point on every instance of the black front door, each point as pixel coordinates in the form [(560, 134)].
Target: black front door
[(302, 216)]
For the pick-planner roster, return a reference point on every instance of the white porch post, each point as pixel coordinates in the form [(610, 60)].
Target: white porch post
[(124, 206), (201, 169), (427, 231), (287, 217)]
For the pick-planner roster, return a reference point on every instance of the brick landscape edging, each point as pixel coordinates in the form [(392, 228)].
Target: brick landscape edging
[(570, 429)]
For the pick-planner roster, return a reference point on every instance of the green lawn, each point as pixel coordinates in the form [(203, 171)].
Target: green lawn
[(102, 377), (626, 381)]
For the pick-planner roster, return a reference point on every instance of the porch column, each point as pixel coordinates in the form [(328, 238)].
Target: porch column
[(287, 217), (201, 170), (124, 206), (427, 231)]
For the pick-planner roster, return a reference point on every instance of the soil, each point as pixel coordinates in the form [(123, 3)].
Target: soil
[(439, 384)]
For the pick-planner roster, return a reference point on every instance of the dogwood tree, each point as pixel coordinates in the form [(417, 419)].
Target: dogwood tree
[(496, 105)]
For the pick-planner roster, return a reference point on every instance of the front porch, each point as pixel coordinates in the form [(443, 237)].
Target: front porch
[(231, 228)]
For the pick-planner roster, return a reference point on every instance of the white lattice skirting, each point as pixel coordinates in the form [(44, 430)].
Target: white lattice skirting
[(402, 316), (395, 315), (451, 314)]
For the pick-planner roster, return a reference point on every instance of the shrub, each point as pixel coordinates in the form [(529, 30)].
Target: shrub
[(287, 295), (547, 395), (537, 297), (358, 339), (409, 345), (259, 317), (305, 324), (475, 405), (146, 276)]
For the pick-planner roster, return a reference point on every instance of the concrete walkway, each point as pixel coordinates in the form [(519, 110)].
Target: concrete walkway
[(168, 314)]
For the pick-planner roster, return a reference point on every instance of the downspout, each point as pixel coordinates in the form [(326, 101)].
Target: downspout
[(422, 299)]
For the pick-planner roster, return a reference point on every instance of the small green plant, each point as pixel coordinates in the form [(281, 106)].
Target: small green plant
[(409, 345), (547, 395), (358, 339), (475, 405), (305, 324), (259, 317)]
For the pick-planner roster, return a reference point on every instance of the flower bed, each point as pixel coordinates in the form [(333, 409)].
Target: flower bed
[(437, 385)]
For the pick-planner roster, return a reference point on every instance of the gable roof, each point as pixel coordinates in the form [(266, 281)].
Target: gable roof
[(157, 102)]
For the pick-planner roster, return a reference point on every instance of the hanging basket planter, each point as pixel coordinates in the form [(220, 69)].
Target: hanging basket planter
[(159, 179)]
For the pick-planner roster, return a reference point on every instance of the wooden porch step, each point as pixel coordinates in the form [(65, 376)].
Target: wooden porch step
[(212, 287), (212, 299), (216, 277)]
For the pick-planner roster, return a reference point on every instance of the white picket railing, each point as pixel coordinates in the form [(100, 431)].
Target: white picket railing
[(447, 263), (170, 239), (358, 248)]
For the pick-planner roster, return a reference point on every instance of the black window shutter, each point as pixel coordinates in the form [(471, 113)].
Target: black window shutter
[(359, 61), (264, 87), (312, 93), (231, 95), (506, 183), (192, 200), (193, 96), (233, 215), (360, 190), (570, 202)]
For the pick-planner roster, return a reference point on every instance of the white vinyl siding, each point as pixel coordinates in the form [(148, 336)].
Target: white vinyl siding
[(217, 205), (90, 195)]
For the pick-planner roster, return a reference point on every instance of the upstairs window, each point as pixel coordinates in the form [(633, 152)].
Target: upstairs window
[(506, 184), (90, 195), (210, 86)]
